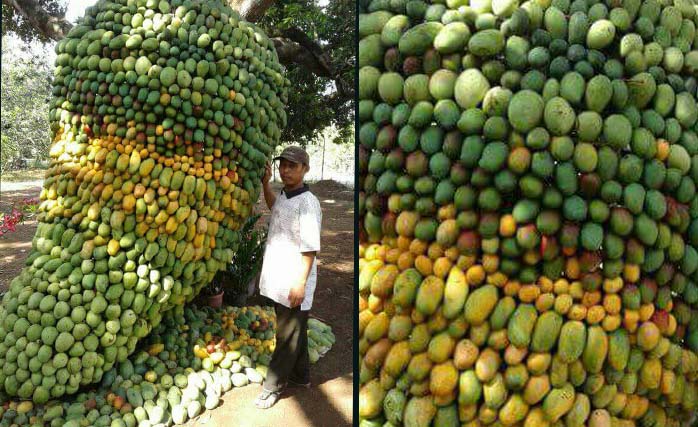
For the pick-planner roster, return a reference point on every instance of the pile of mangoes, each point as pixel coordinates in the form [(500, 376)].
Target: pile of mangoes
[(528, 212), (165, 381), (251, 330), (163, 115)]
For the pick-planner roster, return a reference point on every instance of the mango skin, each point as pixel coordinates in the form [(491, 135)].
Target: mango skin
[(572, 341), (371, 398), (546, 331), (419, 412), (618, 349), (596, 349), (455, 293), (480, 304), (429, 295), (558, 402), (405, 287), (521, 324)]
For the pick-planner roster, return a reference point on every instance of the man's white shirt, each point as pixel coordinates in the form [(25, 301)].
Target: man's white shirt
[(294, 228)]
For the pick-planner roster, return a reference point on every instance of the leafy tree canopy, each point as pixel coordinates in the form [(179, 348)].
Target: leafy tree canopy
[(35, 20), (324, 97), (26, 89)]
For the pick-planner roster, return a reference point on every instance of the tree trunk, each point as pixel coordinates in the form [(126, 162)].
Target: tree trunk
[(292, 52), (53, 27), (251, 10), (322, 169)]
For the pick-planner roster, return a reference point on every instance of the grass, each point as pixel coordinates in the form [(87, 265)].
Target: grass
[(23, 175)]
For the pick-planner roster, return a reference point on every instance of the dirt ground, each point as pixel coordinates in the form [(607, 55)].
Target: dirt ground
[(15, 246), (329, 401)]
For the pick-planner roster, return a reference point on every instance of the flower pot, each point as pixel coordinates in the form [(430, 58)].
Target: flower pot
[(215, 301)]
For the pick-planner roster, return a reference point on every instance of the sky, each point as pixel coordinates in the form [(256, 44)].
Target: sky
[(76, 9)]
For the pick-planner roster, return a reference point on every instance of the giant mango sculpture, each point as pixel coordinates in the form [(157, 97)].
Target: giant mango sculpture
[(163, 115), (529, 214)]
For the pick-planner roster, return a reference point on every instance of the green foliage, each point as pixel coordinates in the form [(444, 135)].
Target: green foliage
[(317, 102), (26, 89), (247, 261), (14, 22)]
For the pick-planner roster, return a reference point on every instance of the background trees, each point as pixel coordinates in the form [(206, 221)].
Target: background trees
[(26, 88)]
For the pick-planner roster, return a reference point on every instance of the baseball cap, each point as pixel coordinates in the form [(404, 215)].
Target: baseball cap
[(295, 154)]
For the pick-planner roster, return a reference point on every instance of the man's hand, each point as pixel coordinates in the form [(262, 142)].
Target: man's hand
[(296, 295), (267, 173), (269, 196)]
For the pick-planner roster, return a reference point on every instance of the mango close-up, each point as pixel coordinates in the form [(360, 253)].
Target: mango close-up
[(528, 213)]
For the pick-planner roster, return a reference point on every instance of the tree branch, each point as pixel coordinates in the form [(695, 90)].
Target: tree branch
[(251, 10), (303, 52), (51, 26), (291, 52), (295, 47)]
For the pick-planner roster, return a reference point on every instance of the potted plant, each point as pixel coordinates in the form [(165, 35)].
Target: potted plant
[(246, 263), (213, 292)]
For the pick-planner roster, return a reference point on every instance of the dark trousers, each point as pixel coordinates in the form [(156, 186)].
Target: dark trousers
[(290, 358)]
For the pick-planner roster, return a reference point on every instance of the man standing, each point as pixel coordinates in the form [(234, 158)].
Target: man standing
[(289, 272)]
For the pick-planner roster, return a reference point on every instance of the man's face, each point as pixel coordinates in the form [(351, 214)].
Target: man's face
[(292, 173)]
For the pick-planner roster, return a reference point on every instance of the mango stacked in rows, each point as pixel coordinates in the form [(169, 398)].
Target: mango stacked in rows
[(165, 382), (163, 116), (529, 215)]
